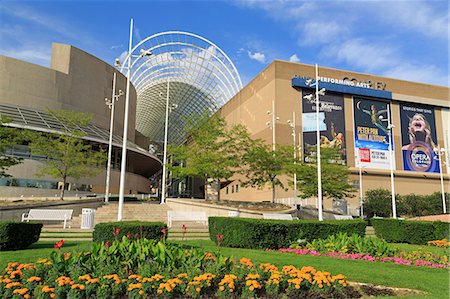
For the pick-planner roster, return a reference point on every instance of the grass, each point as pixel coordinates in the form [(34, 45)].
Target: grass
[(435, 282)]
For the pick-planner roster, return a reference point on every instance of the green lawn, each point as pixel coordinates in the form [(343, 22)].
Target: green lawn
[(433, 281)]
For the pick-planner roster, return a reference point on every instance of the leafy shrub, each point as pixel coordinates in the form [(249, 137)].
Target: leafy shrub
[(18, 235), (260, 233), (110, 231), (409, 231), (378, 202), (345, 243)]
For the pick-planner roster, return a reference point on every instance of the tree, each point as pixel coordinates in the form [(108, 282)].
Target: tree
[(335, 176), (212, 151), (68, 155), (263, 166), (8, 137)]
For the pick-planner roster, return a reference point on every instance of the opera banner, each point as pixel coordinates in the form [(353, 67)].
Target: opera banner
[(371, 134), (418, 138), (331, 126)]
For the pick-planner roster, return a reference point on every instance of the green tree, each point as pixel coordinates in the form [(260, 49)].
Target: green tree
[(378, 202), (335, 176), (8, 138), (262, 166), (212, 152), (68, 154)]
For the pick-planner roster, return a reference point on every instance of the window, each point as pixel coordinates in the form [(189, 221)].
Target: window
[(232, 189), (226, 191), (237, 188)]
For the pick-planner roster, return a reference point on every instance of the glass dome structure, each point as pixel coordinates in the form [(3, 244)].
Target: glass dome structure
[(197, 75)]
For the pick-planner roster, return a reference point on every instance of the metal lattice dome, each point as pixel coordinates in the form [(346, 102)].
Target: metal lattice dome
[(201, 77)]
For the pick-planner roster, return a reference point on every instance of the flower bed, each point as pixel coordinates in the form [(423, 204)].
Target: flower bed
[(366, 257), (152, 269), (370, 249)]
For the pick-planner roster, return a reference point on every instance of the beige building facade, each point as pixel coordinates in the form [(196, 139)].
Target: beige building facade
[(350, 100), (75, 81)]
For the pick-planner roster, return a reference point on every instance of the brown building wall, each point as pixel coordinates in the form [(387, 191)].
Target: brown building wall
[(76, 81), (250, 106)]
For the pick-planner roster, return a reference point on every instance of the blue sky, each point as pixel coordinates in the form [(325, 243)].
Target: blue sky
[(400, 39)]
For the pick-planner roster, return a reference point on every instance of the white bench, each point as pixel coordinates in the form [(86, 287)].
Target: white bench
[(38, 214), (186, 216), (278, 216), (343, 217)]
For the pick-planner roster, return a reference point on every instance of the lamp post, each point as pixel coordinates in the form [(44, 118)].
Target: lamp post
[(111, 105), (361, 211), (309, 97), (439, 152), (292, 125), (390, 127), (166, 131), (272, 124), (125, 121)]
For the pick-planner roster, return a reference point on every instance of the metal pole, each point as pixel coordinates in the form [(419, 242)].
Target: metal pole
[(273, 125), (111, 125), (166, 129), (294, 133), (391, 162), (125, 131), (444, 207), (319, 170), (360, 188)]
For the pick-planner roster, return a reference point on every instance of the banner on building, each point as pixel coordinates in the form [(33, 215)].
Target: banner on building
[(371, 134), (331, 126), (418, 128)]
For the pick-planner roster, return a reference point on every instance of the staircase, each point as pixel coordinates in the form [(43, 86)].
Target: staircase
[(152, 212)]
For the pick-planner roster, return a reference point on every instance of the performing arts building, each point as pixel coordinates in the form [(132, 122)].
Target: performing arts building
[(355, 112)]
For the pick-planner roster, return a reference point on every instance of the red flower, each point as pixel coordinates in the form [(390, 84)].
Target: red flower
[(116, 232), (219, 237), (59, 244), (136, 235), (183, 227), (163, 231), (107, 243), (129, 235)]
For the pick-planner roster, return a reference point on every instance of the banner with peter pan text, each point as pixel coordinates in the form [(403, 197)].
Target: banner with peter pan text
[(371, 134), (418, 128)]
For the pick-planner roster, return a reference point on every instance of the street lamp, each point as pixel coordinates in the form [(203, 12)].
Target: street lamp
[(123, 166), (271, 125), (292, 125), (111, 105), (390, 127), (361, 197), (166, 130), (309, 97), (439, 152)]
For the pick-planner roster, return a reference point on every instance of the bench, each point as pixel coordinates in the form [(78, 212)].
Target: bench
[(343, 217), (38, 214), (278, 216), (186, 216)]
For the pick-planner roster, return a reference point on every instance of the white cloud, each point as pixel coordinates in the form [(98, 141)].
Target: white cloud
[(294, 58), (321, 32), (418, 73), (35, 55), (260, 57), (417, 16), (363, 54)]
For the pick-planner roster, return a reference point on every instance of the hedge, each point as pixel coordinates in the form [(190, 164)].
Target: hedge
[(274, 234), (104, 232), (410, 231), (18, 235)]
